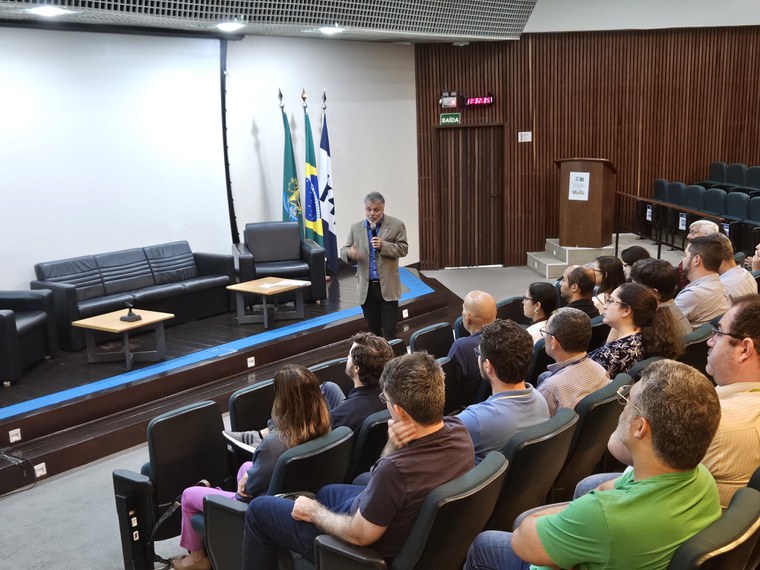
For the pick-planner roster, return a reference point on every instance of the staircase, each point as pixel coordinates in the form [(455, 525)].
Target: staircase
[(553, 261)]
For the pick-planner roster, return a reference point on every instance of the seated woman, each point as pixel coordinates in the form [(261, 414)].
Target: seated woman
[(631, 255), (539, 302), (638, 330), (300, 415), (609, 274)]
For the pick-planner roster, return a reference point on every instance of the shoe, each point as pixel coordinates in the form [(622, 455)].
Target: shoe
[(245, 440)]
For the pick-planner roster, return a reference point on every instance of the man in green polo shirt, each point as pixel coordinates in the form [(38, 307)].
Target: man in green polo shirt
[(669, 420)]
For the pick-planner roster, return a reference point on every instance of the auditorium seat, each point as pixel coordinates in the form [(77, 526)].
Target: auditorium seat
[(539, 362), (368, 444), (512, 308), (334, 371), (716, 174), (736, 176), (695, 348), (250, 409), (435, 339)]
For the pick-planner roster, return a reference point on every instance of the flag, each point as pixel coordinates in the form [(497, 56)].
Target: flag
[(327, 200), (291, 193), (312, 220)]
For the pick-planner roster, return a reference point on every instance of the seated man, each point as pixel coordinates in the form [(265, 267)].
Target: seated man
[(577, 288), (574, 376), (704, 298), (733, 361), (646, 515), (478, 310), (737, 280), (697, 229), (367, 357), (662, 278), (504, 357), (424, 451)]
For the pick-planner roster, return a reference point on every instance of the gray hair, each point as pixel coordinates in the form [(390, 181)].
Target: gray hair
[(571, 328), (374, 197)]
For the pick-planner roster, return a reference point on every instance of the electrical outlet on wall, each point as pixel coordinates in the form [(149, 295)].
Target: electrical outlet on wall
[(40, 470), (405, 313), (251, 361), (14, 435)]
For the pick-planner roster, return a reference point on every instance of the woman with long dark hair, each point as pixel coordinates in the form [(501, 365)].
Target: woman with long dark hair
[(609, 274), (300, 415), (539, 302), (638, 330)]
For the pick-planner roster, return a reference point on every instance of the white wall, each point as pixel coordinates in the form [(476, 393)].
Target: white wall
[(114, 141), (370, 114), (586, 15)]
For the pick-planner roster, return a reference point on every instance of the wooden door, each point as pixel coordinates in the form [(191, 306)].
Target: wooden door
[(471, 190)]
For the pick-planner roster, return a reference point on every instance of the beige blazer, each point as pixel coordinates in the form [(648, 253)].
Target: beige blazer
[(393, 233)]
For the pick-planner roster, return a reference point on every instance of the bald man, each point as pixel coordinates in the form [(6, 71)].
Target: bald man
[(478, 310)]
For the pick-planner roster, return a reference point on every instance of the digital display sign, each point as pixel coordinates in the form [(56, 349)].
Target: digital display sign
[(478, 101)]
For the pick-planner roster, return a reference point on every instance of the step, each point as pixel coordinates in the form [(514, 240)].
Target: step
[(575, 255), (547, 265)]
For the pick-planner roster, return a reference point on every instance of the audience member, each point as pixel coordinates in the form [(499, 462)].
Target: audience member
[(504, 356), (638, 330), (662, 278), (733, 360), (608, 276), (539, 302), (577, 288), (631, 255), (424, 451), (737, 280), (478, 310), (669, 419), (574, 375), (700, 228), (752, 263), (301, 415), (367, 357), (704, 298)]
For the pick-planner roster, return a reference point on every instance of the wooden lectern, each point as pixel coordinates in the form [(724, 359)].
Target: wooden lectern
[(586, 202)]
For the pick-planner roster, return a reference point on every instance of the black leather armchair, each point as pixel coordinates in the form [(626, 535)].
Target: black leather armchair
[(27, 331), (275, 249)]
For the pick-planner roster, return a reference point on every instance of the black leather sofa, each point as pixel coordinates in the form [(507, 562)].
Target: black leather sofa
[(167, 277)]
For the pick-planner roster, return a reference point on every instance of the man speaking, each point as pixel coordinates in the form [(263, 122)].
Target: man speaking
[(375, 244)]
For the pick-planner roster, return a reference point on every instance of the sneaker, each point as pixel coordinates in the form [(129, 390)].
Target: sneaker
[(245, 440)]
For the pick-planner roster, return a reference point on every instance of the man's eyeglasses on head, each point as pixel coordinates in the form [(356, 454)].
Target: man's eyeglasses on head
[(623, 399)]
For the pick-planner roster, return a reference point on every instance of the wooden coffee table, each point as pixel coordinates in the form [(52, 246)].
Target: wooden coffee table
[(268, 287), (110, 322)]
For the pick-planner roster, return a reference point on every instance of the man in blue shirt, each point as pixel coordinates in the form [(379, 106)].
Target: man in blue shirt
[(504, 355)]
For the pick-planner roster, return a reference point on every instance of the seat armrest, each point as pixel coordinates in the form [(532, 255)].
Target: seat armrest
[(136, 511), (215, 264), (244, 262), (10, 368), (224, 524), (314, 255), (65, 309), (336, 554), (20, 301)]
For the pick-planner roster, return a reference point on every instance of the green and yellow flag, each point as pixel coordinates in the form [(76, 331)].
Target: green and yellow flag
[(291, 193)]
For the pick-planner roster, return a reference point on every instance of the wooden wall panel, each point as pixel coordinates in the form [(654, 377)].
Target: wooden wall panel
[(658, 104)]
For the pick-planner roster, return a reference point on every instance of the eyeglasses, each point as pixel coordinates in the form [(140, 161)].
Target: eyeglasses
[(528, 299), (622, 398), (716, 330), (611, 301), (545, 332), (383, 398)]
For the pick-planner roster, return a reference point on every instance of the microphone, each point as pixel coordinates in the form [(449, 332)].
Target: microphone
[(373, 227)]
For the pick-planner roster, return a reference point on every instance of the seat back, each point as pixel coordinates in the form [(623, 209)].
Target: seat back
[(694, 197), (695, 348), (451, 380), (754, 481), (636, 370), (334, 371), (398, 346), (512, 308), (273, 241), (459, 330), (599, 333), (737, 205), (676, 193), (660, 190), (753, 177), (717, 172), (736, 174), (435, 339), (754, 209), (728, 542), (314, 464), (715, 201), (451, 517), (251, 407), (370, 441), (539, 363), (535, 457), (184, 446), (598, 415)]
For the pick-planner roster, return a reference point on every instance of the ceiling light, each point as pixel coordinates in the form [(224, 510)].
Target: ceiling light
[(231, 26), (48, 11), (331, 30)]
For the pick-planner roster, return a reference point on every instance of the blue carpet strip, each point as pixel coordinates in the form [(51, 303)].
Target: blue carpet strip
[(416, 288)]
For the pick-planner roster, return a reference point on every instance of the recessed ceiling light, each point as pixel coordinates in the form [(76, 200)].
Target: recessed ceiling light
[(331, 30), (48, 11), (230, 26)]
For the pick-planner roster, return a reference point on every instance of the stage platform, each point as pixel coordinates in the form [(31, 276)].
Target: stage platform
[(70, 412)]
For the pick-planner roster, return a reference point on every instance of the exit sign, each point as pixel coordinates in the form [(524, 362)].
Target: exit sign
[(451, 119)]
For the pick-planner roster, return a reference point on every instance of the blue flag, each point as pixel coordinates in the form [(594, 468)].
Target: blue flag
[(291, 193), (312, 220), (327, 200)]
